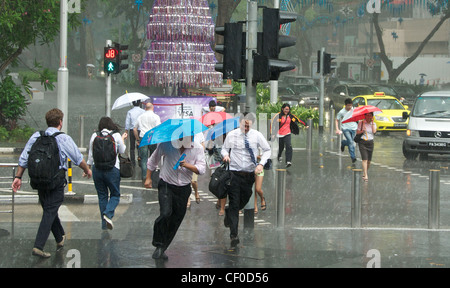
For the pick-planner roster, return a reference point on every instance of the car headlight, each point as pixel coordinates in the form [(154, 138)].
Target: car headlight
[(412, 133), (381, 118)]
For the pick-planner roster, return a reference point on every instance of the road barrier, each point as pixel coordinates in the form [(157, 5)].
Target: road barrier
[(281, 198), (13, 166), (433, 199), (356, 199)]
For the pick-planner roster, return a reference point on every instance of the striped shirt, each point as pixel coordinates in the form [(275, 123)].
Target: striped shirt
[(66, 145)]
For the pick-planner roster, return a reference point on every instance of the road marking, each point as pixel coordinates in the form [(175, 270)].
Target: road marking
[(65, 215)]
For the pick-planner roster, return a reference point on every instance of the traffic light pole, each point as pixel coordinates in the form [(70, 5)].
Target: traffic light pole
[(274, 83), (252, 45), (108, 88), (322, 87)]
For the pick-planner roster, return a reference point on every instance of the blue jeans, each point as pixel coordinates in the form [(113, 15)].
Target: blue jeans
[(144, 153), (104, 180), (348, 141)]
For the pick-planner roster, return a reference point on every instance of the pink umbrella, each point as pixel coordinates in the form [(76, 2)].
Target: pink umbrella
[(211, 118), (359, 112)]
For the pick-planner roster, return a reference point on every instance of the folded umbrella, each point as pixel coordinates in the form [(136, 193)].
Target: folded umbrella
[(172, 129), (126, 99), (222, 128), (359, 112), (212, 118)]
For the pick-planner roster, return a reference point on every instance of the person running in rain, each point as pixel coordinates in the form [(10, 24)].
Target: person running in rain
[(348, 129), (368, 128), (287, 124), (106, 175), (244, 143), (130, 122), (174, 188), (52, 198), (144, 123)]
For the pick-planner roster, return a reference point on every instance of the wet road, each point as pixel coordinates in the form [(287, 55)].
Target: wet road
[(317, 233)]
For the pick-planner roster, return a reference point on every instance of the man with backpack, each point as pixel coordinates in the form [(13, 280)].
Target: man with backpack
[(38, 155)]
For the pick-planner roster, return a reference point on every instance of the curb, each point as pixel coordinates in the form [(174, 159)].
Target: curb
[(68, 199)]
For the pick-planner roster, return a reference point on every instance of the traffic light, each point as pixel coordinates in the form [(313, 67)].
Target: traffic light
[(328, 66), (111, 60), (122, 56), (233, 50), (270, 44)]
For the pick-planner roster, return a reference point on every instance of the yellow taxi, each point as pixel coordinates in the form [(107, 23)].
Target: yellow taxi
[(391, 119)]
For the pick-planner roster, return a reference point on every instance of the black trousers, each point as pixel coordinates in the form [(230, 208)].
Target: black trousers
[(50, 202), (238, 196), (172, 205), (132, 146), (285, 141)]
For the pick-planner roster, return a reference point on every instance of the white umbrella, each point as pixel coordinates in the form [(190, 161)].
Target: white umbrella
[(126, 99)]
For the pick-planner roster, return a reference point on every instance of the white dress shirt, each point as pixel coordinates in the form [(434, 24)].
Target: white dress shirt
[(240, 159), (180, 176), (147, 121), (132, 116)]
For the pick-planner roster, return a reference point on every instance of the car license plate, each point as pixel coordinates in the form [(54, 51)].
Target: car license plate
[(400, 125), (437, 144)]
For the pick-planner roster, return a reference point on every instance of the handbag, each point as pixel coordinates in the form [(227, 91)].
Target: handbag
[(220, 181), (358, 137), (126, 167)]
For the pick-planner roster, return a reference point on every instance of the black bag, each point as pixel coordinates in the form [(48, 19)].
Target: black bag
[(357, 138), (268, 164), (126, 167), (104, 151), (294, 127), (220, 181), (43, 163)]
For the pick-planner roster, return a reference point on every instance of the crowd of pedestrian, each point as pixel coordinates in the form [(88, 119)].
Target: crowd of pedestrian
[(245, 149)]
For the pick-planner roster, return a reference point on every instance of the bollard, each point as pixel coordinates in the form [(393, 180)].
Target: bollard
[(81, 131), (309, 123), (433, 199), (69, 177), (356, 199), (281, 199), (332, 112)]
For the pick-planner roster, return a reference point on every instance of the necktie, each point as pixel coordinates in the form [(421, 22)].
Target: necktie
[(247, 146)]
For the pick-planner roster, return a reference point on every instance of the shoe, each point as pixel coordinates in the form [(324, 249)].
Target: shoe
[(159, 254), (353, 160), (279, 159), (109, 223), (60, 245), (197, 200), (342, 148), (234, 241), (288, 164), (40, 253)]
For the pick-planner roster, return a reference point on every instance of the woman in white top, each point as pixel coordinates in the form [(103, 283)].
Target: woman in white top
[(369, 128), (107, 178)]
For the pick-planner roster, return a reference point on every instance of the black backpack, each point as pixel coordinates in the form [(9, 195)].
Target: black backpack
[(104, 151), (44, 162)]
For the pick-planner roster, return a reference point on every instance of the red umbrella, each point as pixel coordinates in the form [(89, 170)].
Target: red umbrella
[(359, 112), (211, 118)]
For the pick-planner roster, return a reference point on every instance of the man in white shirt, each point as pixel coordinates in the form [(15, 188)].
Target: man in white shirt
[(240, 149), (174, 188), (212, 107), (145, 122), (130, 122), (348, 129)]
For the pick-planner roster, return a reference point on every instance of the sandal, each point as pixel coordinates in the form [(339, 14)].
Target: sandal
[(197, 199), (263, 207)]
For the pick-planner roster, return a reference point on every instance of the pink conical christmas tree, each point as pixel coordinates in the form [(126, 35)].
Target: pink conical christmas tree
[(181, 34)]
